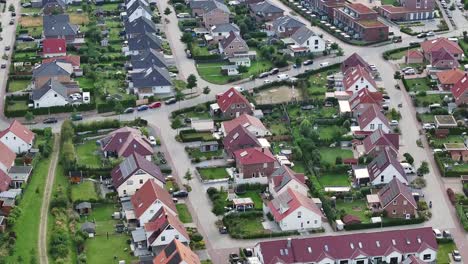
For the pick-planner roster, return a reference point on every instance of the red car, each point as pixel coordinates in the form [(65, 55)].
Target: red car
[(155, 105)]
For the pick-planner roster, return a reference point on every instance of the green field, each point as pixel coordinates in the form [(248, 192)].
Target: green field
[(17, 105), (444, 250), (356, 208), (17, 85), (418, 85), (84, 191), (213, 173), (86, 154), (333, 179), (330, 132), (255, 196), (184, 214)]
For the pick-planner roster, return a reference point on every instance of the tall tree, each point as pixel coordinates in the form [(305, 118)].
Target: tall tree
[(29, 116), (191, 81)]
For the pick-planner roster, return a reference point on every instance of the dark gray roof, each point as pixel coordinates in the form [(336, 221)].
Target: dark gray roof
[(88, 227), (138, 235), (136, 5), (49, 69), (226, 28), (58, 25), (287, 22), (153, 76), (209, 5), (58, 2), (265, 7), (302, 35), (232, 37), (144, 42), (83, 205), (131, 165), (50, 85), (140, 25), (148, 58), (20, 169)]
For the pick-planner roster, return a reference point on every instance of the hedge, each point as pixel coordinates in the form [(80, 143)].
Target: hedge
[(106, 124), (183, 136), (109, 106), (323, 69), (207, 58), (387, 53), (390, 222), (49, 110), (462, 216)]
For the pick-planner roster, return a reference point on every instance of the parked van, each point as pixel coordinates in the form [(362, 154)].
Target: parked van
[(453, 39), (408, 168), (324, 64), (437, 233), (282, 77), (183, 15)]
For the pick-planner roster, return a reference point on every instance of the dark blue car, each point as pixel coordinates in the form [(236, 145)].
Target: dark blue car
[(142, 108)]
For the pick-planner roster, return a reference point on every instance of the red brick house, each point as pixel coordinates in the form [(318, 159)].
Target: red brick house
[(443, 59), (428, 47), (448, 78), (125, 141), (54, 47), (460, 91), (353, 61), (408, 10), (378, 141), (232, 45), (414, 56), (74, 60), (239, 138), (254, 165), (396, 199), (326, 7), (215, 13), (362, 99), (372, 119), (265, 11), (232, 104), (360, 22)]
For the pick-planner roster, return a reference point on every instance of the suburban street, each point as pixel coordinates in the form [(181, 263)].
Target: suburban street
[(218, 245)]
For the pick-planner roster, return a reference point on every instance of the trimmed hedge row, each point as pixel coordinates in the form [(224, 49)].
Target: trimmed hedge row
[(52, 110), (462, 216), (440, 166), (206, 58), (183, 136), (109, 106), (387, 53), (392, 222)]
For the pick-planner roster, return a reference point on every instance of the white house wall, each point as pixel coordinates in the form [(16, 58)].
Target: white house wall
[(292, 222), (169, 235), (134, 183), (376, 122), (49, 99), (388, 174)]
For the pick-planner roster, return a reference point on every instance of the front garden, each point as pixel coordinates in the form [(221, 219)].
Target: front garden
[(213, 173)]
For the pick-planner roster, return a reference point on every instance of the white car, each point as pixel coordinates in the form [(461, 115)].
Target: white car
[(394, 123), (152, 140), (406, 68), (239, 88), (410, 72), (266, 81), (437, 233), (428, 126)]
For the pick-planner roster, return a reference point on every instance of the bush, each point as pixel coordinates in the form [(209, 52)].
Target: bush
[(196, 237), (386, 223), (462, 216)]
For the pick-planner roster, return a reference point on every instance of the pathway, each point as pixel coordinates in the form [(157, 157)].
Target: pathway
[(42, 242)]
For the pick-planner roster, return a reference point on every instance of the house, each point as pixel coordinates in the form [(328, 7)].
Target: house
[(7, 159), (230, 70), (284, 27), (233, 104), (5, 181), (265, 11), (129, 3), (232, 45), (358, 78), (385, 246), (325, 8), (74, 60), (176, 252), (442, 59), (138, 9), (413, 57), (215, 13), (408, 10), (151, 81), (56, 70), (59, 26), (361, 100), (133, 172), (50, 7), (448, 78), (458, 151), (75, 177), (353, 61), (372, 119), (445, 121), (306, 38), (164, 228), (149, 200), (292, 211), (254, 165), (384, 168), (240, 61), (54, 47), (139, 245), (19, 175), (360, 22), (208, 146), (379, 140), (142, 42), (285, 178), (89, 228), (147, 58), (17, 137), (221, 31), (83, 208), (239, 138), (139, 26), (428, 47), (251, 123), (54, 93), (397, 200), (8, 200), (460, 91), (125, 141)]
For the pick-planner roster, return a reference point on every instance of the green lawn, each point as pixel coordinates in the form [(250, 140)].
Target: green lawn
[(184, 214), (206, 136), (427, 118), (213, 173), (400, 54), (277, 128), (17, 105), (199, 51), (418, 84), (356, 208), (328, 179), (330, 132), (196, 153), (86, 154), (84, 191), (429, 99), (242, 225), (211, 72), (329, 155), (27, 225), (299, 166), (255, 196), (170, 185), (17, 85), (444, 250), (390, 2), (318, 84), (85, 82), (200, 115)]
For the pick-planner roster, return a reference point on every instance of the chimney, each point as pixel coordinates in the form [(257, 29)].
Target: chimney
[(289, 242), (120, 140)]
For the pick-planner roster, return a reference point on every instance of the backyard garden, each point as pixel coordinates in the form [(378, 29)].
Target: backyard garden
[(213, 173)]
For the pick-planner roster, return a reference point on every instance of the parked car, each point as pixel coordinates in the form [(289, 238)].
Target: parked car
[(7, 48), (234, 258), (170, 101), (274, 71), (413, 43), (223, 230), (324, 64), (155, 105), (263, 75), (266, 81), (430, 34), (410, 72), (3, 66), (437, 233), (13, 14), (394, 123), (142, 108), (421, 35), (308, 62), (282, 77), (152, 140), (248, 252), (50, 120), (129, 110), (239, 88), (456, 255), (183, 15), (447, 234), (428, 126), (76, 117), (12, 22), (180, 194)]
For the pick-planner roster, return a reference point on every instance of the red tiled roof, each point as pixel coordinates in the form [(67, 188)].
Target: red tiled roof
[(395, 9), (450, 76), (460, 88), (353, 61), (175, 253), (7, 157), (230, 97), (240, 138), (125, 141), (54, 45), (432, 45), (442, 56), (394, 189), (380, 139), (244, 120), (364, 96), (414, 54), (5, 181), (253, 156), (74, 60), (290, 201), (360, 8), (147, 195), (382, 162), (339, 247), (372, 112), (132, 164), (20, 131), (356, 73), (161, 221)]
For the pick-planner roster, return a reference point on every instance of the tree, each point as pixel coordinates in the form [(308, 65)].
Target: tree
[(29, 116), (191, 81), (118, 108), (408, 158), (242, 69), (452, 7), (188, 176), (186, 38), (167, 11), (298, 62), (11, 8), (206, 90), (424, 168), (340, 52), (465, 35), (179, 96), (334, 46)]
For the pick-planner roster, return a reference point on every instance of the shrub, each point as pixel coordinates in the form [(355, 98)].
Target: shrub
[(196, 237), (451, 196)]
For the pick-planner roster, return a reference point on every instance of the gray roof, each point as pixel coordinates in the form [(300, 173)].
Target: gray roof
[(49, 69), (144, 42), (148, 58), (265, 7), (153, 76), (138, 235), (226, 28), (136, 5), (58, 2), (20, 169), (83, 205), (140, 25), (54, 85), (10, 194), (88, 227), (58, 25), (287, 22), (209, 5), (302, 35), (232, 37)]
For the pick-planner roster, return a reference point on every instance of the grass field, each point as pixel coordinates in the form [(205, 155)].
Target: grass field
[(17, 85), (330, 132), (30, 21), (356, 208), (17, 105), (196, 153), (429, 99), (278, 129), (418, 84), (245, 225), (213, 173), (444, 250), (211, 72), (84, 191), (255, 196), (86, 154), (184, 214), (333, 179), (329, 155)]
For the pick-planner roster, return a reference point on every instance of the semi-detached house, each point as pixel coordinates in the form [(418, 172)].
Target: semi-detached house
[(17, 137), (231, 104)]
